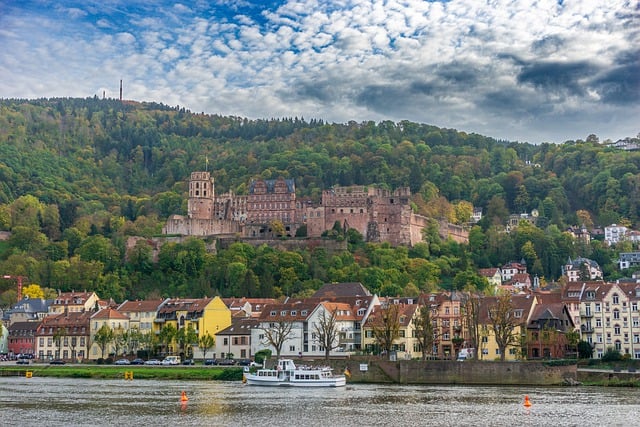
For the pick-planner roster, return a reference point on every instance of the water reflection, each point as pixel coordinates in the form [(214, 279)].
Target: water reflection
[(79, 402)]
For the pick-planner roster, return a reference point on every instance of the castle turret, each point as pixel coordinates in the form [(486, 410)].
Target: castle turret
[(201, 196)]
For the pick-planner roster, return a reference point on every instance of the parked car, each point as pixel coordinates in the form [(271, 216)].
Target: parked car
[(244, 362), (188, 362), (122, 362), (171, 360), (152, 362), (137, 361), (57, 362), (226, 362), (210, 362), (22, 361)]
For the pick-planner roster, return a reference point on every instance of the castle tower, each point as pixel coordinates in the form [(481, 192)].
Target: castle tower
[(201, 196)]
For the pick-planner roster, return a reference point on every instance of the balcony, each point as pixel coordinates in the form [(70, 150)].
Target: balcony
[(584, 313), (587, 329)]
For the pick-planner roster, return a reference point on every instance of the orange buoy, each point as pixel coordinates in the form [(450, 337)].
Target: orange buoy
[(184, 397), (527, 402)]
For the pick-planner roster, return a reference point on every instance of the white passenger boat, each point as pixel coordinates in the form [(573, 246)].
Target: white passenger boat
[(287, 374)]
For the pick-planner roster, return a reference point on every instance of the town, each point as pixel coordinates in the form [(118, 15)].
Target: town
[(340, 320)]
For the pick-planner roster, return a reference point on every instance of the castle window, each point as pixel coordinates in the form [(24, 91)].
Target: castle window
[(391, 201)]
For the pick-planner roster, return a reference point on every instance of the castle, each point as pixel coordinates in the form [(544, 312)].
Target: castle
[(379, 215)]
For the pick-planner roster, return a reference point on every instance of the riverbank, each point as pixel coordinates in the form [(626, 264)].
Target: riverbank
[(126, 372)]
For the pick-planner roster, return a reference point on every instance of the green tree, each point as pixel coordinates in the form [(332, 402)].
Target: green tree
[(206, 343), (186, 339), (166, 336), (103, 338)]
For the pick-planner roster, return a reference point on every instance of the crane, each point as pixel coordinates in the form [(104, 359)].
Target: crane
[(19, 279)]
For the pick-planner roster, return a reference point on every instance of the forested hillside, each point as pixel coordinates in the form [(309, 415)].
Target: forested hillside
[(77, 176)]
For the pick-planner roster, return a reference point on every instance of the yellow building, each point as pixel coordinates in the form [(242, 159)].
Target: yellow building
[(515, 315), (204, 315)]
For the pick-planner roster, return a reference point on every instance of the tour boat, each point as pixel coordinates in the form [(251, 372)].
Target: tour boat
[(287, 374)]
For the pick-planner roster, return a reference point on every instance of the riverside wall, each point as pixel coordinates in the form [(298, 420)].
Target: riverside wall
[(452, 372)]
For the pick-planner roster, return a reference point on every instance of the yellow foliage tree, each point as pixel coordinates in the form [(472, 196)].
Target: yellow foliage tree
[(33, 291)]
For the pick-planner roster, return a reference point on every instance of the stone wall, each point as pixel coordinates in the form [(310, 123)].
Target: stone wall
[(452, 372)]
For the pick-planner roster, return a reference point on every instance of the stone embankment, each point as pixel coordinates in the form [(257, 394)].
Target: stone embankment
[(374, 370)]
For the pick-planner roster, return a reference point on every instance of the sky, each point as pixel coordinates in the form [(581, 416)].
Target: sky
[(522, 70)]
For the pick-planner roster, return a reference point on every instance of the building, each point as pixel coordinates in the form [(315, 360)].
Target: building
[(379, 215), (141, 314), (205, 316), (28, 310), (118, 323), (511, 268), (629, 260), (610, 318), (22, 338), (582, 269), (493, 276), (547, 332), (64, 336), (74, 302), (614, 233), (234, 341)]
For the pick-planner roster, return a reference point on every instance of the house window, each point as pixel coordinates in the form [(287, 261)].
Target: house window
[(616, 299), (616, 329), (292, 348), (616, 314), (598, 307)]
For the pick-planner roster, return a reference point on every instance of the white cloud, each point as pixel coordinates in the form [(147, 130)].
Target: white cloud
[(522, 70)]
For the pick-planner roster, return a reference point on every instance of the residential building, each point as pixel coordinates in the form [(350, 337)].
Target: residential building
[(119, 325), (520, 315), (78, 302), (610, 317), (629, 260), (27, 310), (289, 323), (234, 341), (64, 336), (615, 233), (493, 276), (141, 313), (582, 269), (405, 346), (247, 307), (204, 315), (509, 269), (22, 338), (546, 332)]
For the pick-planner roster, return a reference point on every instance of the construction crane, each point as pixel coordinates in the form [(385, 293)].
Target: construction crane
[(19, 279)]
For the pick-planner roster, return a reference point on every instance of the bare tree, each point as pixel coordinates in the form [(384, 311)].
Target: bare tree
[(471, 317), (504, 323), (423, 324), (326, 330), (276, 334), (385, 325)]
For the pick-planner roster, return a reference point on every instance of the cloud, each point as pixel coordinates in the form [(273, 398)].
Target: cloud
[(533, 71)]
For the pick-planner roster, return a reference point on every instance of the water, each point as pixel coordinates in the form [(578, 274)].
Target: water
[(87, 402)]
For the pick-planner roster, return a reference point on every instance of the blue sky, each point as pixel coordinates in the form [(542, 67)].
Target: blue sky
[(535, 71)]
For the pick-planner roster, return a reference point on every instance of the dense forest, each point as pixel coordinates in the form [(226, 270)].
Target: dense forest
[(79, 176)]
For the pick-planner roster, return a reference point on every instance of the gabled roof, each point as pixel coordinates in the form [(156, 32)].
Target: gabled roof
[(23, 326), (31, 305), (288, 312), (240, 326), (488, 272), (183, 304), (346, 289), (344, 311), (109, 313), (141, 306), (65, 320)]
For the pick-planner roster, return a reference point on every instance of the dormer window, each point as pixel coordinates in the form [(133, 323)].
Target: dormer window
[(273, 313), (591, 295)]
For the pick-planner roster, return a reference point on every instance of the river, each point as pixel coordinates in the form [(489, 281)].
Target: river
[(86, 402)]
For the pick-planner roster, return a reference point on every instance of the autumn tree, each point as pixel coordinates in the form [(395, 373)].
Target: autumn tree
[(103, 338), (503, 323), (385, 326), (423, 323), (186, 339), (166, 336), (276, 334), (326, 330), (58, 335), (33, 291), (206, 342), (471, 304)]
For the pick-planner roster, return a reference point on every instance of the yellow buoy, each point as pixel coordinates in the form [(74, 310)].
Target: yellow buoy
[(527, 402)]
